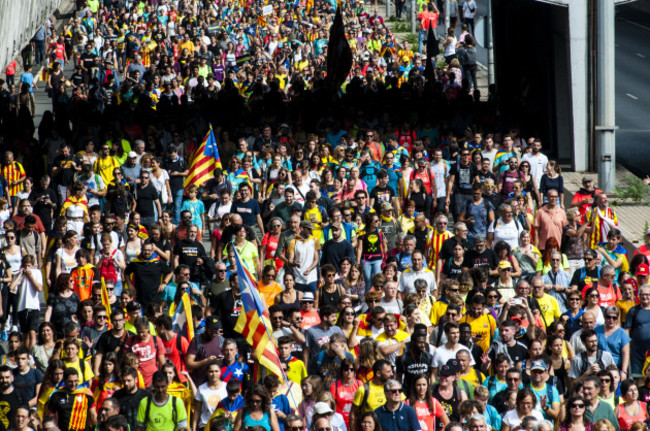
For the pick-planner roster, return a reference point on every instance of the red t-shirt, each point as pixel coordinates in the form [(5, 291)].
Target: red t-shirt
[(426, 417), (608, 295), (344, 395), (147, 353), (172, 353), (271, 244)]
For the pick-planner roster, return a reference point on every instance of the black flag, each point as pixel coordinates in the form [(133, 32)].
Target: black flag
[(339, 54), (432, 52)]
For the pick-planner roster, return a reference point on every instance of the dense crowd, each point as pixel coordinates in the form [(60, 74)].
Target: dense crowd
[(522, 313)]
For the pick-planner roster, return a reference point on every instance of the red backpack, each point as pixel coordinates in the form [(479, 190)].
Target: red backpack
[(108, 268)]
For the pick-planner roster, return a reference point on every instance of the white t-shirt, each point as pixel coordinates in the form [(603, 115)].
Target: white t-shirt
[(512, 420), (443, 354), (68, 261), (508, 232), (159, 184), (469, 9), (537, 165), (490, 155), (28, 294), (304, 254), (209, 399), (441, 173)]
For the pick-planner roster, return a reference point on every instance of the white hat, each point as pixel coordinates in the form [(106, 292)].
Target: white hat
[(322, 408)]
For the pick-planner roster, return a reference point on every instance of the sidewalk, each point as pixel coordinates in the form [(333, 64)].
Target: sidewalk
[(631, 217)]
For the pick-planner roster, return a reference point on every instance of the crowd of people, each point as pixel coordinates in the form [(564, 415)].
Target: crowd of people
[(422, 267)]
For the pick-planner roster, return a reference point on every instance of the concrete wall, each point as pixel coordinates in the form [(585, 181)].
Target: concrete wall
[(19, 20)]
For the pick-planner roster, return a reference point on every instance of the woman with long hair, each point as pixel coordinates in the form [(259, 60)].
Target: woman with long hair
[(258, 411), (552, 179), (46, 347), (52, 380), (530, 185), (289, 298), (504, 254), (592, 303), (133, 244), (631, 409), (575, 418), (344, 387), (108, 380), (427, 408), (561, 364), (370, 422), (312, 391), (607, 393), (270, 243), (178, 389), (354, 285), (65, 256), (544, 264), (371, 247), (160, 180), (526, 254), (349, 324), (62, 303), (368, 355)]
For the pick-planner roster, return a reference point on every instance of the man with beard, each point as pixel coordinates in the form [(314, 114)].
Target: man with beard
[(10, 399), (71, 405), (205, 348), (130, 395)]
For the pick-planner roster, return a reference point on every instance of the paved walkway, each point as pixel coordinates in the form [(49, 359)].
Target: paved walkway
[(631, 218)]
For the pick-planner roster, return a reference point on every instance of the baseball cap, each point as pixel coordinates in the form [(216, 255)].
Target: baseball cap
[(132, 155), (454, 364), (307, 224), (386, 206), (446, 370), (132, 306), (586, 180), (505, 264), (212, 322), (322, 408), (307, 296), (642, 269), (538, 365)]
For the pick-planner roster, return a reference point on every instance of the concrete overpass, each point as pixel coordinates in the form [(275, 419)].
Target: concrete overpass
[(19, 20)]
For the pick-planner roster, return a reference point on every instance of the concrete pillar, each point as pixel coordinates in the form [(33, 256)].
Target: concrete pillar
[(605, 96), (578, 52)]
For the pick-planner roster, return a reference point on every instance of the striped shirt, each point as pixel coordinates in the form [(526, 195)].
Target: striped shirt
[(436, 245), (13, 172)]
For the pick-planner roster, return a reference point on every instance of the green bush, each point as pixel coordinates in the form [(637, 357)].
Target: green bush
[(633, 188)]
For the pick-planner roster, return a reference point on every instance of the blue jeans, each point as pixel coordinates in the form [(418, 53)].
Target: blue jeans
[(422, 37), (370, 268), (178, 202)]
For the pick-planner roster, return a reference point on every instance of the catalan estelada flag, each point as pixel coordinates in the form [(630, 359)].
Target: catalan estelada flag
[(254, 322), (204, 161), (182, 317)]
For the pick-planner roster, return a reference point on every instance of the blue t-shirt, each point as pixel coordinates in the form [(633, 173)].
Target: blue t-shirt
[(638, 321), (196, 208), (247, 210), (544, 392), (393, 177), (494, 385), (237, 370), (28, 78), (480, 214), (281, 404), (614, 343)]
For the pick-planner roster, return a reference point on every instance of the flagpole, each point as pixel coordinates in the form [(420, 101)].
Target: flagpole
[(286, 379)]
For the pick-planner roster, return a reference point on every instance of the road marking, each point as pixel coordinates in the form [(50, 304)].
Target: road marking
[(635, 24), (638, 54), (631, 96)]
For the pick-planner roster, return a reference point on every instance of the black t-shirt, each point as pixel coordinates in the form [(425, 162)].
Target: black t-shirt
[(381, 195), (62, 402), (487, 258), (518, 352), (145, 200), (107, 342), (40, 208), (8, 405), (147, 276), (410, 367), (65, 175), (129, 403), (228, 309), (335, 251), (164, 245), (580, 274), (463, 177), (25, 384), (178, 165), (188, 251)]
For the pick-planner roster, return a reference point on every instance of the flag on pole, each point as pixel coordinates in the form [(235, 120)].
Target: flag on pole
[(181, 313), (205, 160), (105, 301), (254, 322), (339, 54)]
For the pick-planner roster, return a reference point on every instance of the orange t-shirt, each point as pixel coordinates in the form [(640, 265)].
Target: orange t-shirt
[(309, 319), (426, 417), (343, 396)]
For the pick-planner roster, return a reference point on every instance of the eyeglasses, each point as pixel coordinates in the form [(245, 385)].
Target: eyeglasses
[(452, 290), (595, 295), (256, 400), (555, 260), (276, 225), (102, 317), (307, 302), (513, 379), (330, 275), (606, 380), (300, 428), (348, 369), (577, 406), (574, 299), (588, 259), (110, 289), (492, 297), (395, 391), (350, 313), (221, 270), (611, 317)]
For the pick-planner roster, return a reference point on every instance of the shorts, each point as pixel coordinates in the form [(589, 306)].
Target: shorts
[(29, 320)]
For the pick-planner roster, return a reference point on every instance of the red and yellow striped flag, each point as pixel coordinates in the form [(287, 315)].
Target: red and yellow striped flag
[(254, 322), (205, 160), (105, 301)]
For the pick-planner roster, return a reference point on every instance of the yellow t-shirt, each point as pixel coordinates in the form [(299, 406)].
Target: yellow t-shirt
[(88, 374), (376, 398), (297, 371), (550, 308), (473, 377), (485, 325)]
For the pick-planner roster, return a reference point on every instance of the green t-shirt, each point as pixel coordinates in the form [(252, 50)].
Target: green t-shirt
[(161, 417)]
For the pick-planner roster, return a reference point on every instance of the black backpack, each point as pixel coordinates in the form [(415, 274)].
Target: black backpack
[(585, 361), (147, 410)]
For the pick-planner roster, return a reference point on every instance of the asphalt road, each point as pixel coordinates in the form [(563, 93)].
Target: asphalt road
[(633, 89)]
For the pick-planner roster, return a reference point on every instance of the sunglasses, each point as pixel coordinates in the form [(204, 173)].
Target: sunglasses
[(395, 391), (577, 406), (350, 313)]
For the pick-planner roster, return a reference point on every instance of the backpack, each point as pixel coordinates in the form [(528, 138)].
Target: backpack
[(517, 224), (108, 269), (128, 343), (147, 410), (585, 361), (366, 394), (179, 347)]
